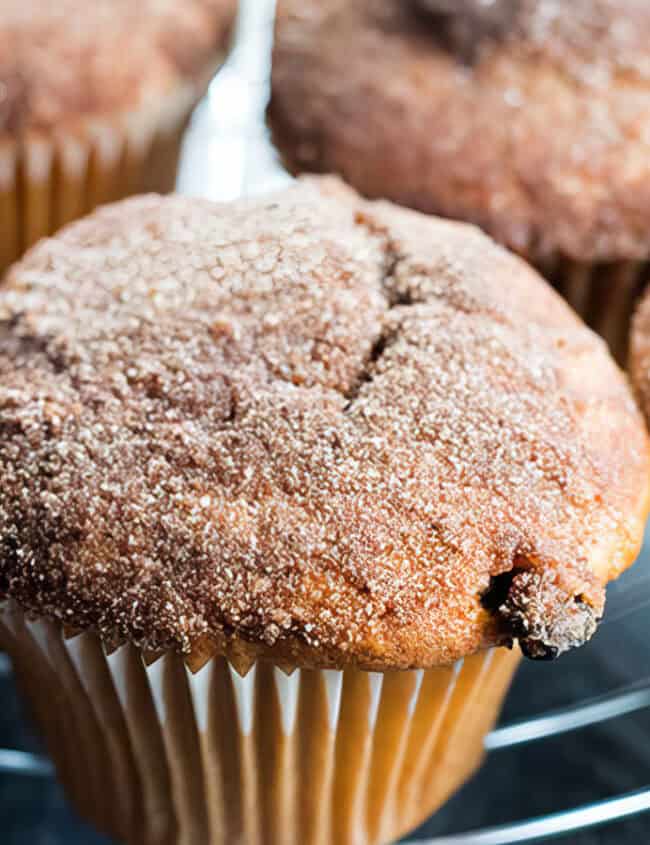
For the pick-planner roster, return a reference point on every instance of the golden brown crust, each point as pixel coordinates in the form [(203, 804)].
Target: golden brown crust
[(533, 125), (310, 428), (77, 59)]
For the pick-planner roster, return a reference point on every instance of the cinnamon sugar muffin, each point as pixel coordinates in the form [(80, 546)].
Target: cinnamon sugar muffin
[(528, 117), (94, 98), (281, 481)]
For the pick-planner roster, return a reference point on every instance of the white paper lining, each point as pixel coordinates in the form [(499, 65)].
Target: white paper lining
[(288, 687), (200, 691)]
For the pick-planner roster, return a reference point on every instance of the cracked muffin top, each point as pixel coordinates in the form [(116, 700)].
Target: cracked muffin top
[(308, 427), (87, 58), (530, 118)]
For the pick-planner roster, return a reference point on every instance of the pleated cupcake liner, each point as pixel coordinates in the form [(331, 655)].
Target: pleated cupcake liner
[(604, 294), (48, 180), (155, 755)]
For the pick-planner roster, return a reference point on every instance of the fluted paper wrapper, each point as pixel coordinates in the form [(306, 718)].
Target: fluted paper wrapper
[(604, 294), (156, 754), (47, 180)]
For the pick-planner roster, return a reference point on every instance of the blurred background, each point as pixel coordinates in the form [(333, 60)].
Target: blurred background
[(228, 153)]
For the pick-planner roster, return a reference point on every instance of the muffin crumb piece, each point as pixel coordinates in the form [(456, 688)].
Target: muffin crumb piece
[(544, 621)]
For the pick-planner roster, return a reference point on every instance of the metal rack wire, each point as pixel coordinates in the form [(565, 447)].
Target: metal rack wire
[(229, 129)]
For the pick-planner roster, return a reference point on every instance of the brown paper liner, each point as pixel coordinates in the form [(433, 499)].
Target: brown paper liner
[(154, 755), (47, 181), (604, 294)]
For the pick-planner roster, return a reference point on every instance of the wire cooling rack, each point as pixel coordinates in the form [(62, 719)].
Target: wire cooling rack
[(228, 154)]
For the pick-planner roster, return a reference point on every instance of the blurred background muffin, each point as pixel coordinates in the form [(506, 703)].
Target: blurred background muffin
[(94, 99), (281, 482), (530, 118)]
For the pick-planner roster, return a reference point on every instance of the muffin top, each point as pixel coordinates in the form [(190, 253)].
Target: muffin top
[(308, 427), (528, 117), (88, 58)]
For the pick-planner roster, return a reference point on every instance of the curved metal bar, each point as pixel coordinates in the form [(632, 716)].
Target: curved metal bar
[(556, 824), (610, 706), (5, 665), (23, 763)]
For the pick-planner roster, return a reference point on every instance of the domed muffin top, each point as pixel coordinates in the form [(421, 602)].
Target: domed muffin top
[(310, 427), (528, 117), (88, 58)]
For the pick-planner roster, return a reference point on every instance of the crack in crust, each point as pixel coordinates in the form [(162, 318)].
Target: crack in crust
[(468, 24), (310, 428)]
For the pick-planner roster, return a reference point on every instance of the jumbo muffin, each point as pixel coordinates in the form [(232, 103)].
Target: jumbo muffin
[(281, 482), (530, 118), (94, 98)]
